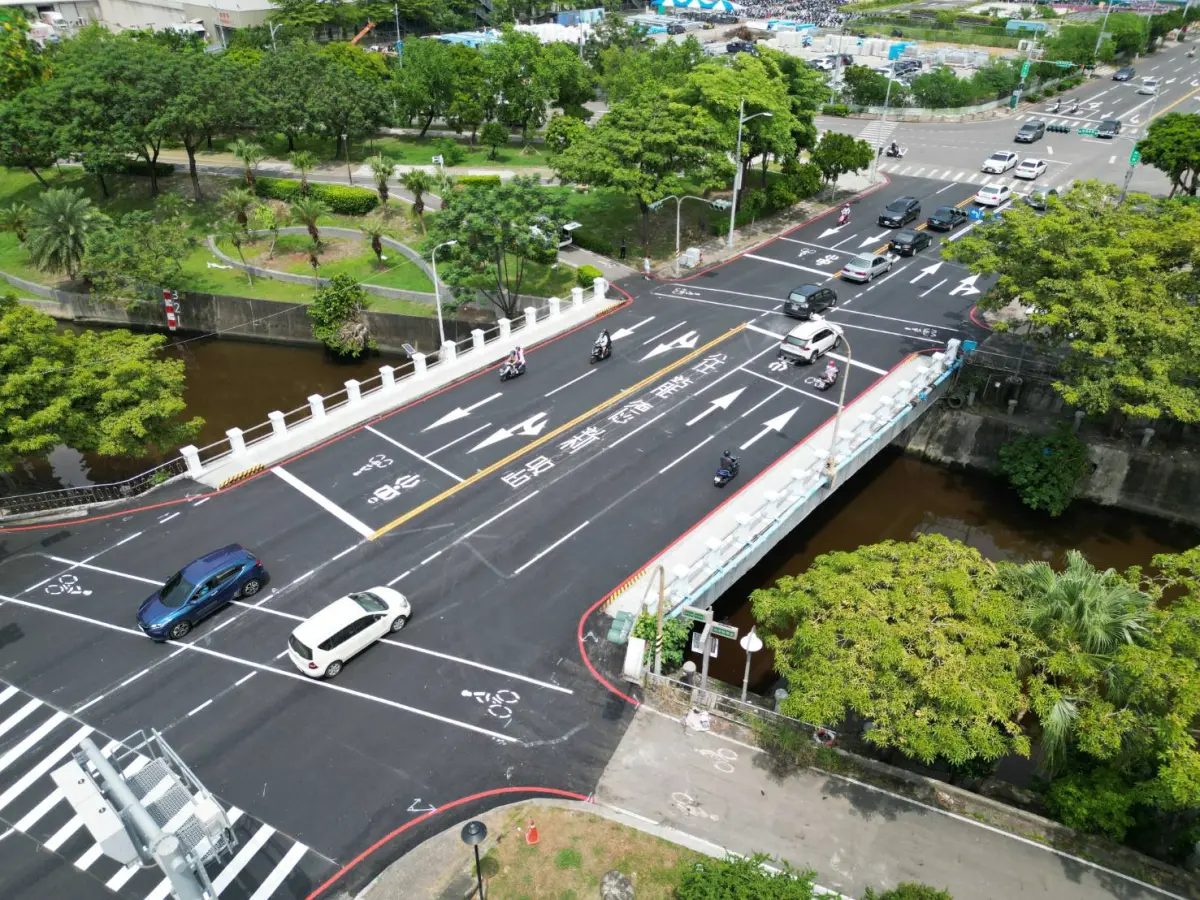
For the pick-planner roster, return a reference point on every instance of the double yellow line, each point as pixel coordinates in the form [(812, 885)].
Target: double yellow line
[(551, 435)]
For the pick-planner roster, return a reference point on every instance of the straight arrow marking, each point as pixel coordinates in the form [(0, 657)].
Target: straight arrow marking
[(776, 424), (719, 403), (531, 427), (687, 341), (626, 332), (928, 270), (873, 240), (460, 413)]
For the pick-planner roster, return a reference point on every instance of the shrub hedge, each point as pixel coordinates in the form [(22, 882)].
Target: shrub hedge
[(835, 109), (464, 180), (141, 167), (585, 275), (340, 198)]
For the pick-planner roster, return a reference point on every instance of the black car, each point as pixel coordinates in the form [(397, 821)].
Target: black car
[(906, 65), (909, 241), (675, 28), (1030, 132), (1124, 74), (809, 300), (741, 47), (900, 212), (1109, 128), (946, 218)]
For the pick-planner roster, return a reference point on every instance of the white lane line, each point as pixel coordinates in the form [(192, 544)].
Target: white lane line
[(430, 559), (8, 692), (93, 853), (131, 679), (500, 515), (896, 319), (201, 501), (843, 241), (461, 439), (200, 707), (271, 883), (403, 574), (137, 534), (349, 549), (424, 459), (667, 331), (790, 387), (960, 176), (324, 502), (234, 867), (87, 560), (713, 384), (713, 290), (753, 309), (857, 363), (768, 399), (780, 262), (750, 326), (19, 716), (244, 679), (563, 387), (811, 244), (63, 834), (911, 337), (1111, 160), (936, 286), (15, 752), (562, 540), (119, 880), (946, 188), (84, 565), (686, 455), (165, 519), (630, 434), (47, 763)]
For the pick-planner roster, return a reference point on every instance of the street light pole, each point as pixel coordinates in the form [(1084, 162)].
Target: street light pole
[(437, 293), (737, 162), (473, 834), (657, 205), (1100, 36), (882, 120), (346, 143), (831, 462)]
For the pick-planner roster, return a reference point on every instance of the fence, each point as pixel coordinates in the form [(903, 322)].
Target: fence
[(678, 697)]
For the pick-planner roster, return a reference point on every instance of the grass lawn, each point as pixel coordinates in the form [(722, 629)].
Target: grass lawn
[(337, 256), (575, 849)]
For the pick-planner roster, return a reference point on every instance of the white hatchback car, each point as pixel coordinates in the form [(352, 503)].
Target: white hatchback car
[(993, 194), (1000, 162), (323, 643), (1149, 86), (1030, 168), (810, 340)]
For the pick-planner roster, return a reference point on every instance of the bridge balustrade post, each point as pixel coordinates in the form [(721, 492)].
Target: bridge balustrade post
[(278, 424), (191, 455), (387, 377), (477, 340), (505, 327), (316, 403), (576, 298), (353, 392), (555, 307), (420, 366), (448, 353)]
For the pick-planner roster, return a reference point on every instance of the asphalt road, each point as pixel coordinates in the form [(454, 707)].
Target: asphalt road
[(956, 151), (503, 511)]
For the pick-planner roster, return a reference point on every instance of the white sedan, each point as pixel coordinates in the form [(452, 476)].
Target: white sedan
[(1030, 168), (323, 643), (993, 194), (1000, 162)]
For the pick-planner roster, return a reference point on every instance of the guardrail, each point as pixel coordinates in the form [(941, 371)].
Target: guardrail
[(193, 460), (891, 415)]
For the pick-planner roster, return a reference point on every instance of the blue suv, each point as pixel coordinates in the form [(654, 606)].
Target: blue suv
[(199, 589)]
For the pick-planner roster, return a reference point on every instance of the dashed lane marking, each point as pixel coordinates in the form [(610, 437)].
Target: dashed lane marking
[(562, 540)]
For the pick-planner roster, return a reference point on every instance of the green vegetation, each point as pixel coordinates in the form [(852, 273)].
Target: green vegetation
[(1045, 469), (713, 879), (1172, 145), (676, 634), (337, 316)]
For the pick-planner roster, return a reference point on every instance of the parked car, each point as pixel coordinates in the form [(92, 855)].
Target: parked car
[(907, 65), (199, 589), (741, 47), (1030, 169), (1039, 197), (1030, 132), (865, 266), (1125, 73), (322, 644), (1109, 128), (675, 28), (1149, 86), (946, 218), (1000, 162), (900, 212), (809, 300), (993, 194), (809, 340), (909, 241)]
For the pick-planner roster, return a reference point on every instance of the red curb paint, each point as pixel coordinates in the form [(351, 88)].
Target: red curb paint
[(978, 321), (495, 792)]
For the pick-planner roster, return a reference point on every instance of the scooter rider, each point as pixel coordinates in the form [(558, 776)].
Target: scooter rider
[(604, 342), (728, 461), (831, 372), (516, 359), (844, 215), (894, 150)]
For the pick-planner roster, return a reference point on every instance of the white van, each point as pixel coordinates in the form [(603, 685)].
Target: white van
[(323, 643)]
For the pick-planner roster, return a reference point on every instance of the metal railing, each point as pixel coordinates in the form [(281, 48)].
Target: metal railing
[(64, 498)]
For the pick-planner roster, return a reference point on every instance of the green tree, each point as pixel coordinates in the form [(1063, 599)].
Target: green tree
[(908, 890), (915, 636), (209, 87), (337, 316), (1077, 44), (1172, 145), (249, 154), (271, 216), (308, 212), (839, 153), (28, 136), (561, 132), (738, 877), (285, 81), (430, 79), (374, 228), (303, 162), (864, 86), (1114, 285), (383, 168), (574, 82), (1045, 469), (627, 69), (101, 392), (236, 235), (15, 218), (238, 202), (494, 135), (350, 98), (940, 88), (649, 147), (418, 182), (499, 229), (21, 64), (516, 73), (136, 257), (676, 633), (60, 221)]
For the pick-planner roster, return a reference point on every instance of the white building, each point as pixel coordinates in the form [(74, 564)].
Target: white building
[(217, 18)]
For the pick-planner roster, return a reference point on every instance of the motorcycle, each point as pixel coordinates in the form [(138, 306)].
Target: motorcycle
[(897, 153), (1075, 107), (843, 217), (825, 382), (511, 370), (1057, 106), (599, 352), (724, 476)]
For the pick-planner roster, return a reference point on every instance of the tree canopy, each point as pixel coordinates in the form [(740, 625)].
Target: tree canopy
[(337, 316), (1172, 145)]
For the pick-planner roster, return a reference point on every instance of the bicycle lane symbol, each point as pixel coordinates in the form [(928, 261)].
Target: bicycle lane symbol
[(66, 585), (499, 704)]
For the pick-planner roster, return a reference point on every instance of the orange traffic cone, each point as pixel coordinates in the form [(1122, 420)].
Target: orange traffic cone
[(531, 834)]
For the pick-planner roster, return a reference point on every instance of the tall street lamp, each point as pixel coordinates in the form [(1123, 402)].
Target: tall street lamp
[(437, 293), (831, 462), (882, 120), (658, 204), (346, 144), (473, 834), (737, 161)]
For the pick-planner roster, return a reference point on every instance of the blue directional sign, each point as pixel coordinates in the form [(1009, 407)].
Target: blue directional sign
[(976, 214)]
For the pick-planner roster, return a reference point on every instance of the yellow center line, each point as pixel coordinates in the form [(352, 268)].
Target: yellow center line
[(551, 435), (1166, 109)]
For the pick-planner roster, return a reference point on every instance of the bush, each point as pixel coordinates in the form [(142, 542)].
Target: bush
[(1045, 469), (835, 109), (1032, 97), (1050, 90), (744, 877), (575, 111), (141, 167), (490, 180), (340, 198), (908, 890), (676, 633), (805, 180), (588, 241), (586, 275), (451, 151)]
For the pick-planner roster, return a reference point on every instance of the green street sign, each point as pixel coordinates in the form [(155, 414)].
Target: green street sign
[(725, 631), (1024, 69), (1134, 157), (696, 615), (1064, 64), (1088, 132)]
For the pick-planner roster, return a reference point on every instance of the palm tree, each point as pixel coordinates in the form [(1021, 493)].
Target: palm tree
[(417, 182), (250, 155), (15, 218), (238, 202), (303, 162), (307, 210), (1082, 616), (375, 229), (382, 168), (271, 216), (59, 224), (236, 236)]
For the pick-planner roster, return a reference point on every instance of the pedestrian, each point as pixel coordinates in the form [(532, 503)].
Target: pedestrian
[(646, 267), (622, 249)]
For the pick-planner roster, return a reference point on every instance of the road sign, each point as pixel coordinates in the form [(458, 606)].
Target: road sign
[(1024, 69), (695, 614), (1064, 64), (725, 631), (1088, 132), (1134, 157)]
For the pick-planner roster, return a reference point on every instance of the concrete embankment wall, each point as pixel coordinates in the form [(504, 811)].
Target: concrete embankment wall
[(1160, 480)]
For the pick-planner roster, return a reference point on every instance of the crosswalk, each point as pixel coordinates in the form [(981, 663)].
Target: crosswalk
[(962, 176), (35, 739), (876, 132)]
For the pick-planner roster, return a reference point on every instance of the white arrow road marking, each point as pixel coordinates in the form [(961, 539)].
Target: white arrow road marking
[(626, 332), (667, 331), (686, 342), (776, 424), (935, 287), (928, 270), (530, 427), (966, 286), (873, 240), (828, 231), (750, 326), (720, 403), (455, 414), (416, 808)]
